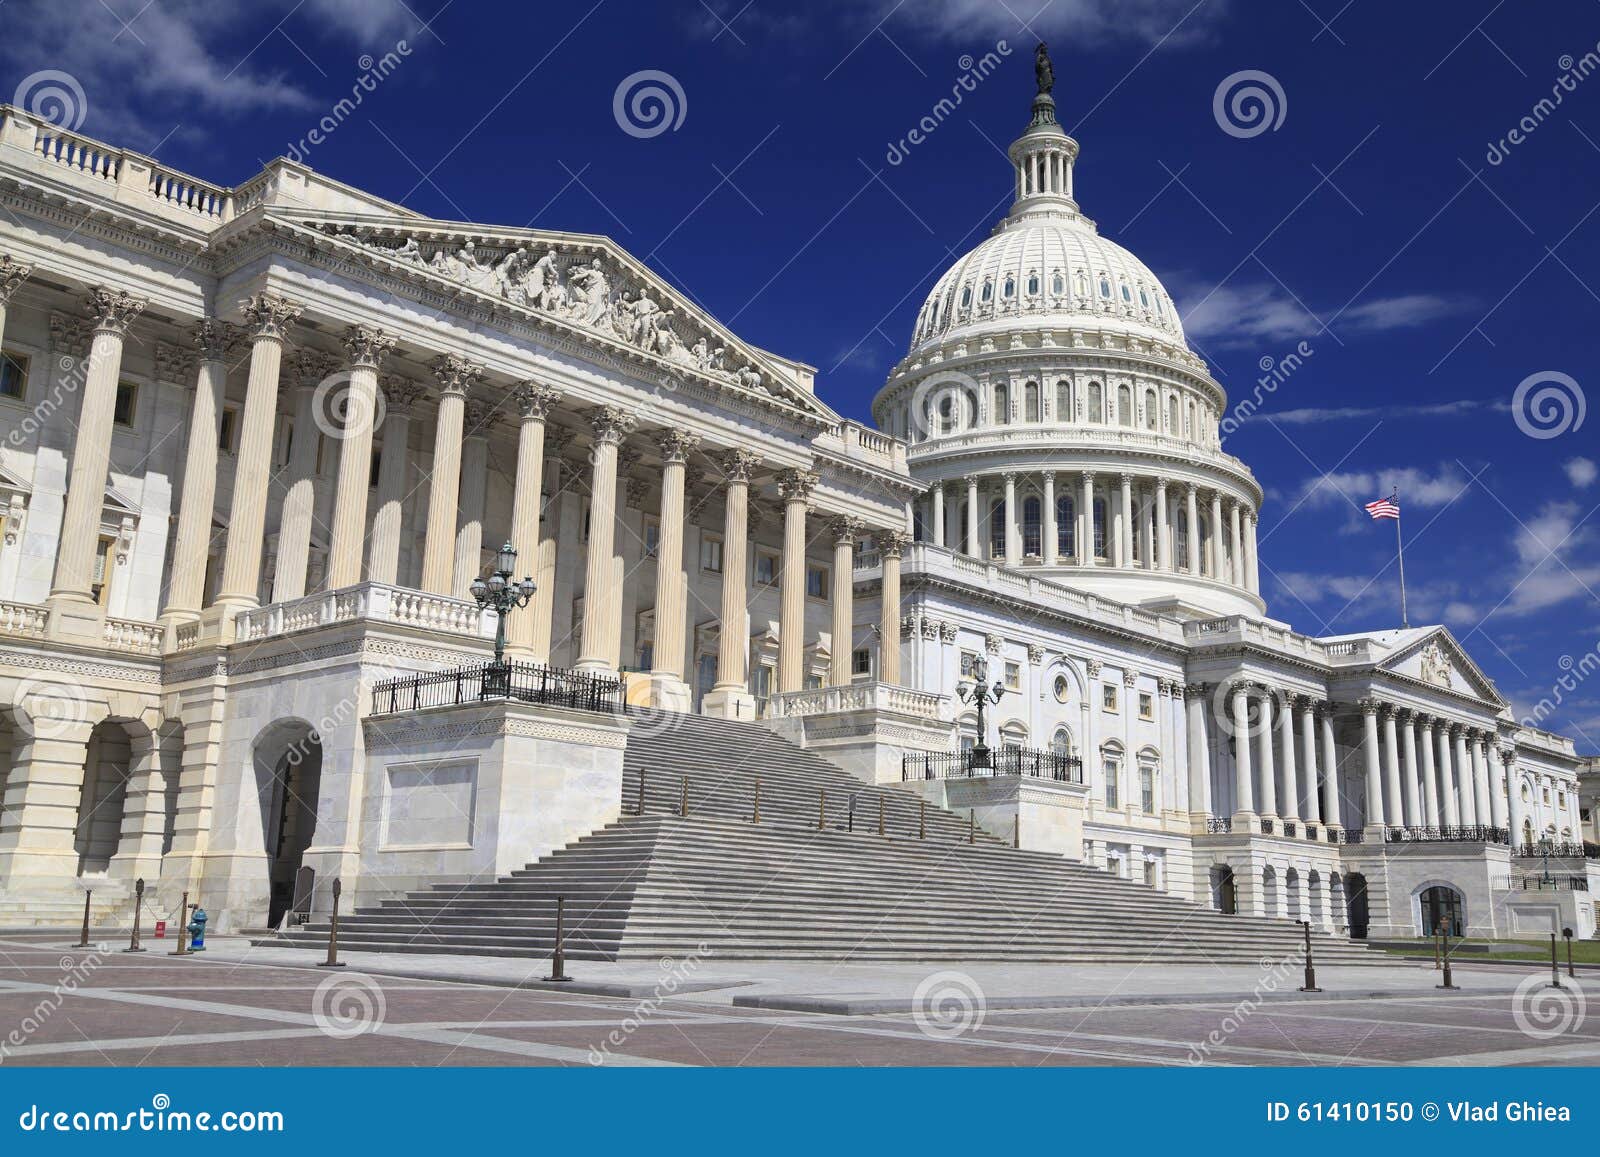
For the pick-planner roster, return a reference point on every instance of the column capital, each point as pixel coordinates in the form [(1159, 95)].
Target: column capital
[(845, 529), (891, 543), (1369, 706), (675, 445), (1086, 477), (936, 487), (1126, 477), (1196, 690), (972, 479), (113, 310), (399, 394), (738, 464), (1192, 489), (366, 345), (215, 338), (455, 374), (1129, 676), (308, 367), (12, 274), (797, 485), (1009, 477), (174, 363), (610, 424), (534, 400), (268, 316)]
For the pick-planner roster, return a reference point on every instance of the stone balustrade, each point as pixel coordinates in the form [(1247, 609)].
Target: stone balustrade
[(134, 636), (865, 696), (24, 620), (367, 602)]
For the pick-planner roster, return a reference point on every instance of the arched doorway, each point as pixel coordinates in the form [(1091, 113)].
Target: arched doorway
[(102, 797), (1440, 903), (1291, 889), (288, 765), (1355, 892), (1224, 895), (1314, 897)]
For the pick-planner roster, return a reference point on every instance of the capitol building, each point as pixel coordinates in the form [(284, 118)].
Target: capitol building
[(260, 447)]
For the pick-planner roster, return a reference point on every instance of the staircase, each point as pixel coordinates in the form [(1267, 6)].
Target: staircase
[(931, 887)]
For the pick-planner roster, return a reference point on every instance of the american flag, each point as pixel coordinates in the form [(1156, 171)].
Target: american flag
[(1384, 508)]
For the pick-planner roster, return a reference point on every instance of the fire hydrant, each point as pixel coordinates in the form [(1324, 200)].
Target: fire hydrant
[(197, 930)]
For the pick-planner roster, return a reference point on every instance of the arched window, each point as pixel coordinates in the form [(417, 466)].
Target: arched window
[(1033, 285), (1010, 289), (947, 415), (1180, 535), (1061, 742), (1152, 410), (1002, 404), (966, 297), (1100, 535), (1144, 298), (1127, 296), (1063, 401), (1082, 283), (1013, 735), (1124, 406), (1105, 288), (1097, 407), (1031, 527), (997, 528), (971, 407), (1030, 401), (1066, 527), (1058, 284), (1172, 414), (987, 295), (1189, 429)]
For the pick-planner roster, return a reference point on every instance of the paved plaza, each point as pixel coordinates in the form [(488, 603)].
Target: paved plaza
[(238, 1005)]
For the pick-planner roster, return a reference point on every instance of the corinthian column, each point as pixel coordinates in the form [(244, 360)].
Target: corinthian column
[(1235, 574), (891, 545), (394, 476), (308, 368), (667, 686), (267, 321), (974, 547), (936, 497), (1244, 802), (1215, 570), (1391, 768), (730, 698), (602, 629), (113, 312), (1162, 555), (1048, 532), (1449, 804), (455, 375), (534, 402), (366, 348), (1497, 802), (471, 495), (1086, 521), (1430, 784), (196, 506), (12, 274), (1333, 796), (1013, 537), (796, 486), (1369, 722), (1463, 775), (844, 532), (1191, 510)]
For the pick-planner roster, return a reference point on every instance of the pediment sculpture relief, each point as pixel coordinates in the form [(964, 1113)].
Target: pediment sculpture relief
[(1435, 667)]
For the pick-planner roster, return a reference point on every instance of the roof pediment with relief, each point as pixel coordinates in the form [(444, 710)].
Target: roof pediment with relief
[(1438, 659), (580, 283)]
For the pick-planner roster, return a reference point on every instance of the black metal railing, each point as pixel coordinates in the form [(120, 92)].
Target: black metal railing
[(1267, 827), (1572, 850), (1219, 825), (520, 682), (990, 762), (1355, 836), (1468, 834)]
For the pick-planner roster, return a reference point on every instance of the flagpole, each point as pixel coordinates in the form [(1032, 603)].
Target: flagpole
[(1400, 553)]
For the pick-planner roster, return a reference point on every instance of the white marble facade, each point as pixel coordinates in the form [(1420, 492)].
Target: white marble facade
[(255, 443)]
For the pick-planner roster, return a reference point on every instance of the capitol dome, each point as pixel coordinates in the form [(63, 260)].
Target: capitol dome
[(1058, 417)]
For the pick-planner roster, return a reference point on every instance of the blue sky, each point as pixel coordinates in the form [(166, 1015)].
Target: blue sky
[(1427, 279)]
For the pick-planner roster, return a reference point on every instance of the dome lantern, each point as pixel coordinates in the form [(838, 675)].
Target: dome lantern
[(1043, 156)]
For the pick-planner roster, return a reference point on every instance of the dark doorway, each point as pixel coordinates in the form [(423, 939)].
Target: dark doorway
[(1443, 904), (1224, 894), (1355, 892)]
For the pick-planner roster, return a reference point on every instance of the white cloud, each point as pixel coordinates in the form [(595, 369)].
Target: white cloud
[(1253, 313), (1581, 472), (1403, 312), (1417, 487), (1078, 21), (1311, 416)]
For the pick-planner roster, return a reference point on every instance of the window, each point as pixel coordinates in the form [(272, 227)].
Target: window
[(817, 582), (1002, 405), (1097, 408), (647, 655), (1058, 284), (1061, 742), (374, 466), (761, 682), (1150, 873), (860, 661), (652, 536), (100, 585), (1010, 289), (969, 660), (1031, 528), (322, 468), (1066, 528), (1063, 401), (1144, 298), (1124, 406), (122, 411), (1030, 402), (966, 297), (1062, 689), (13, 374), (1111, 772), (1013, 676), (1147, 707), (228, 429), (1105, 289), (1147, 789), (1033, 285), (997, 528), (1108, 696), (1126, 296), (711, 555), (1100, 528), (766, 568), (988, 292)]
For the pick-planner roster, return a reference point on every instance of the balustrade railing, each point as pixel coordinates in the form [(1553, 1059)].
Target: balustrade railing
[(25, 619), (1219, 825), (1567, 849), (517, 682), (1468, 834), (993, 761)]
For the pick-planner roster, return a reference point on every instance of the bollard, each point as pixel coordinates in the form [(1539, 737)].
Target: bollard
[(756, 818), (1016, 830), (1567, 932), (83, 941), (850, 819), (183, 922), (1436, 952), (822, 809), (558, 959), (922, 820), (138, 907), (683, 800), (1311, 967), (972, 826), (1444, 950), (880, 815), (642, 774), (1555, 969), (333, 928)]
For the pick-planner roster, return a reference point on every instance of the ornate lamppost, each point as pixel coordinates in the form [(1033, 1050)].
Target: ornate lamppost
[(502, 595), (980, 694), (1544, 851)]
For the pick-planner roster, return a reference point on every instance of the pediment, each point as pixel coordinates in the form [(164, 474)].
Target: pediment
[(1438, 659), (583, 284)]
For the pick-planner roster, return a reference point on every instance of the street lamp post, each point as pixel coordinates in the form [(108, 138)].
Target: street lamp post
[(501, 594), (980, 693)]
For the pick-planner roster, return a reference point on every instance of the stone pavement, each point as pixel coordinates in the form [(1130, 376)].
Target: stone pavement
[(238, 1005)]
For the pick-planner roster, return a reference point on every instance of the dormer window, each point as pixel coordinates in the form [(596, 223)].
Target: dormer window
[(1058, 284), (966, 297), (988, 292), (1105, 288), (1010, 289), (1033, 285), (1144, 298), (1126, 296)]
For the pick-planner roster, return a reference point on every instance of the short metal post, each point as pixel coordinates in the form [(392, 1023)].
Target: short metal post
[(138, 908), (1016, 830), (1555, 968), (683, 800), (850, 822), (1311, 968), (922, 820), (333, 928), (1567, 932), (183, 927), (83, 941), (1444, 948), (972, 826), (558, 960), (756, 815), (822, 809), (880, 815), (642, 773)]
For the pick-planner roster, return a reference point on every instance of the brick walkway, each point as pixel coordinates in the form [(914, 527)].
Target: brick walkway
[(63, 1006)]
